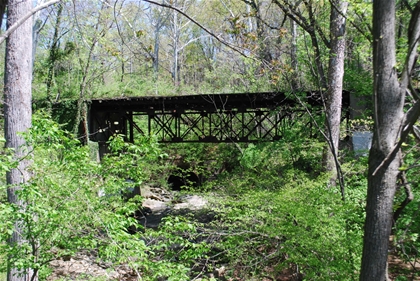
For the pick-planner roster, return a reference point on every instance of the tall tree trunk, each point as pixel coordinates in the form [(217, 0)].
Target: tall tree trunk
[(175, 41), (53, 57), (156, 52), (388, 117), (264, 53), (156, 58), (333, 98), (18, 110), (293, 55), (81, 112)]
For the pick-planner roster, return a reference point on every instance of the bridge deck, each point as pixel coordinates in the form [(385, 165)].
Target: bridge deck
[(193, 102)]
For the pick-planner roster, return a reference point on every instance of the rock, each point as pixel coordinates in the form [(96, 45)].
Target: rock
[(154, 205), (146, 191), (220, 273), (191, 202), (82, 265)]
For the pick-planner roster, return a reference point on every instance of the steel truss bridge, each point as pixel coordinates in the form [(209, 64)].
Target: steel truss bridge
[(213, 118)]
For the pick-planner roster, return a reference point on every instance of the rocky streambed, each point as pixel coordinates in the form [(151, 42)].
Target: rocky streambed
[(157, 204)]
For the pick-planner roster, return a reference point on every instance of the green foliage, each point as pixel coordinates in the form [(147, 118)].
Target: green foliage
[(305, 225), (179, 248), (62, 212), (275, 211), (272, 209), (50, 217), (407, 228), (294, 153), (358, 81), (129, 161)]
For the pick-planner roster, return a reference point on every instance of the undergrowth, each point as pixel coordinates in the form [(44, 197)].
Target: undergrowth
[(272, 212)]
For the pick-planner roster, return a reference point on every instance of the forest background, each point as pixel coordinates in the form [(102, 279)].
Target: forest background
[(275, 208)]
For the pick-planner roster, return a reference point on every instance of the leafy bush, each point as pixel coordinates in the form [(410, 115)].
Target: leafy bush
[(62, 212), (265, 231), (272, 210), (407, 227), (276, 214)]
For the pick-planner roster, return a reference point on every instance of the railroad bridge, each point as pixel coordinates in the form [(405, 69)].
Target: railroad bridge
[(216, 118)]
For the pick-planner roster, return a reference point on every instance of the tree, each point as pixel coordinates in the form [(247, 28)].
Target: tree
[(179, 32), (391, 128), (306, 16), (53, 56), (264, 48), (18, 109), (333, 86), (334, 95), (99, 31)]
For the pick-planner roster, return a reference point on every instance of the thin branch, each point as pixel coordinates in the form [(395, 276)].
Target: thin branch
[(192, 41), (409, 196), (314, 24), (410, 119), (290, 11), (227, 8), (411, 91), (12, 28), (413, 41), (199, 25)]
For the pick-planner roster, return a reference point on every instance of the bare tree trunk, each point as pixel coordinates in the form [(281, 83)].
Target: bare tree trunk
[(53, 56), (389, 102), (175, 41), (334, 95), (81, 106), (18, 111), (293, 55), (156, 52)]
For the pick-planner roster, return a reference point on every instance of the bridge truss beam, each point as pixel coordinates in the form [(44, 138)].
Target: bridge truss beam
[(219, 126)]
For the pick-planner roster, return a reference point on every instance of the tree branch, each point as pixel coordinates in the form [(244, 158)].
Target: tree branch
[(409, 120), (409, 196), (199, 25), (295, 16), (413, 41), (12, 28), (314, 24)]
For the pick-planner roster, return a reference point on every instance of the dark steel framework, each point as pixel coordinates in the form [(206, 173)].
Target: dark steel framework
[(198, 118)]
